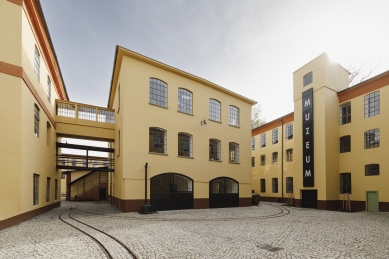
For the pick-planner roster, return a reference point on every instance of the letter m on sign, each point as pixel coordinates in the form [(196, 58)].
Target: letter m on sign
[(307, 102), (307, 173)]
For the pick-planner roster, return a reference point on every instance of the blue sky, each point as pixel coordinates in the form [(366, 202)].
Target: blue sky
[(250, 47)]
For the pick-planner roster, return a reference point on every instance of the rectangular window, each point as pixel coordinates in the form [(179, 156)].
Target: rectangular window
[(263, 185), (157, 140), (234, 116), (275, 136), (263, 160), (184, 144), (56, 189), (37, 61), (253, 143), (214, 110), (263, 140), (345, 144), (372, 104), (345, 183), (234, 152), (345, 113), (274, 185), (36, 120), (214, 149), (253, 162), (48, 189), (372, 169), (48, 89), (289, 155), (289, 131), (48, 133), (274, 158), (308, 78), (372, 138), (185, 101), (289, 184), (35, 189), (158, 92), (63, 176)]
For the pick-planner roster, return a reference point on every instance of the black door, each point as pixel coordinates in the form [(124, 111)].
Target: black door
[(102, 194), (309, 199), (171, 191), (223, 193)]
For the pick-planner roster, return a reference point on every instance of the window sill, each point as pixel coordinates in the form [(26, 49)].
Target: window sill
[(263, 146), (274, 163), (189, 157), (190, 114), (155, 153), (235, 163), (234, 126), (215, 121), (212, 160), (158, 105)]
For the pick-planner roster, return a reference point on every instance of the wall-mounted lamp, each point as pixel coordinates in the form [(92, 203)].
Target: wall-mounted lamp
[(203, 122)]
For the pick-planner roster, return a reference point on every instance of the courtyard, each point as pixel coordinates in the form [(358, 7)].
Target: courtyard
[(265, 231)]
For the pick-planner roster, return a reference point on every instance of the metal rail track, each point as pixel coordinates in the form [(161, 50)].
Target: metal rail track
[(99, 243), (283, 212)]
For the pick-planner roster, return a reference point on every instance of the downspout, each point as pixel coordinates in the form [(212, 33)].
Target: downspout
[(282, 161), (146, 183)]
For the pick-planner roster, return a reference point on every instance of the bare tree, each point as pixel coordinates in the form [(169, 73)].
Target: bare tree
[(360, 73), (256, 118)]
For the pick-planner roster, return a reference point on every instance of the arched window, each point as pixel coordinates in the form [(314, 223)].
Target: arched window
[(214, 149), (214, 110), (157, 140), (185, 101), (234, 116), (184, 144), (158, 92)]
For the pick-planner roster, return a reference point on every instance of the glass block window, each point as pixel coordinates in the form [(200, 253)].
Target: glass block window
[(158, 92), (36, 120), (263, 140), (185, 101), (35, 189), (372, 169), (48, 189), (345, 183), (253, 143), (345, 144), (289, 155), (289, 184), (308, 78), (233, 152), (234, 116), (253, 162), (48, 89), (37, 62), (274, 158), (372, 104), (275, 136), (214, 149), (214, 110), (289, 131), (345, 113), (263, 160), (372, 138), (274, 185), (157, 140), (184, 144), (262, 185)]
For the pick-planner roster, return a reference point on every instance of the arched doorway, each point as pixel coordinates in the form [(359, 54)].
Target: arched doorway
[(171, 191), (223, 193)]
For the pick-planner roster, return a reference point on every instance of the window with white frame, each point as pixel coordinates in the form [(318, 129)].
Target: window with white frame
[(345, 113), (214, 110), (184, 144), (214, 149), (308, 78), (185, 101), (157, 140), (289, 131), (48, 89), (275, 136), (36, 120), (233, 152), (372, 138), (253, 143), (37, 62), (234, 116), (263, 140), (158, 92), (274, 157), (372, 104)]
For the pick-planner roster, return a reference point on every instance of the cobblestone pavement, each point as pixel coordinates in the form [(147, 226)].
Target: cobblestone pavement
[(264, 231)]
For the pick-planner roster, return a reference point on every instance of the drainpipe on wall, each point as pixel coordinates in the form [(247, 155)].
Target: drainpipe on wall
[(282, 161), (146, 208)]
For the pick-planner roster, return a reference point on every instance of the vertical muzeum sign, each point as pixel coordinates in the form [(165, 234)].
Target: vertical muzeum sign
[(308, 174)]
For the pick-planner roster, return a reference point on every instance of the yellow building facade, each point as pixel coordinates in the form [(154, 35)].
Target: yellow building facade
[(331, 154)]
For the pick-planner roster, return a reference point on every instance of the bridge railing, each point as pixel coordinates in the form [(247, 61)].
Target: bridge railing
[(67, 161)]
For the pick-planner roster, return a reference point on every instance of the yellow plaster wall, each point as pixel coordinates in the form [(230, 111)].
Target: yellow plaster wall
[(138, 115)]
